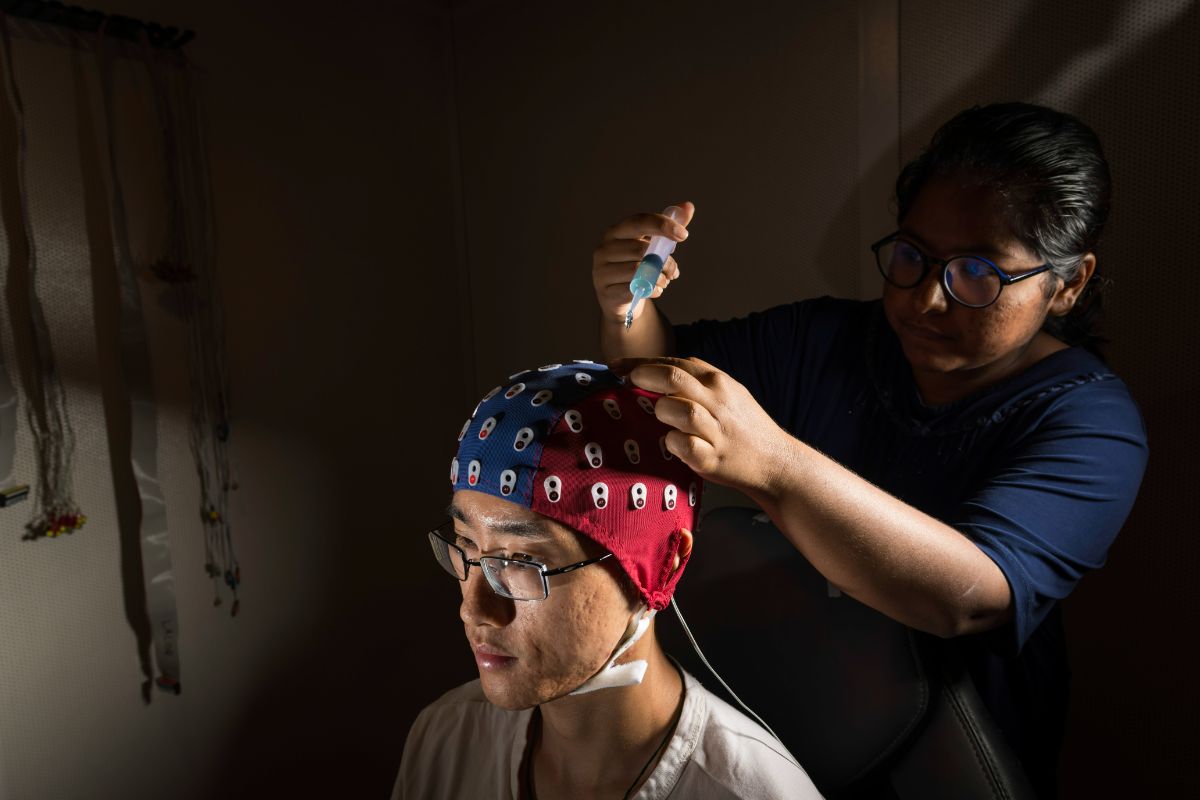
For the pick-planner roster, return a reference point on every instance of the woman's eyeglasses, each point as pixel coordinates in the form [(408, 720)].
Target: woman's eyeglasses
[(973, 281)]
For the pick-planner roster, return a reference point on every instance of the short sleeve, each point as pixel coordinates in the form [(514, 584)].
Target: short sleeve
[(1052, 508)]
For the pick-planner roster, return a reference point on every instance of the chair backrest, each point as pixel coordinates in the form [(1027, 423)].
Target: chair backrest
[(860, 699)]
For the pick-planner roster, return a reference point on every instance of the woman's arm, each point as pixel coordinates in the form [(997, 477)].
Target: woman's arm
[(874, 547), (650, 335), (880, 550)]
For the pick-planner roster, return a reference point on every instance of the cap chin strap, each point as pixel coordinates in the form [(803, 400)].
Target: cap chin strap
[(613, 675)]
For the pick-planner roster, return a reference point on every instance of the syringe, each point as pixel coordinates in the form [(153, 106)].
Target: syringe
[(646, 277)]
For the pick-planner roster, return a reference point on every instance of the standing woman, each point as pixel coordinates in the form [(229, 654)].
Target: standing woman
[(956, 455)]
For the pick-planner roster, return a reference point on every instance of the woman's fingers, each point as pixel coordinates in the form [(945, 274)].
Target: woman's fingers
[(614, 274), (621, 272), (647, 225), (667, 376), (670, 272), (680, 376), (616, 258), (689, 210), (618, 251), (699, 454), (717, 428), (687, 416)]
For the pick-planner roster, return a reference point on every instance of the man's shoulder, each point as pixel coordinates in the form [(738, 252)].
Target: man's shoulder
[(738, 753), (458, 743), (469, 693), (465, 710), (729, 730)]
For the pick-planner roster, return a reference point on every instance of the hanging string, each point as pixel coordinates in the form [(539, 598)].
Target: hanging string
[(188, 266), (54, 440), (10, 491)]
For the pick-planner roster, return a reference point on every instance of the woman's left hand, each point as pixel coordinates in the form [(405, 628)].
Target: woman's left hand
[(720, 430)]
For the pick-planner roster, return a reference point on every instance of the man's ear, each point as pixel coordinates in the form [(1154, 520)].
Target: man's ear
[(685, 547), (1064, 299)]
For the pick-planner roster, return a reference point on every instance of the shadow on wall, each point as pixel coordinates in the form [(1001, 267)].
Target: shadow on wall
[(107, 309), (1034, 69), (332, 714), (1149, 120), (327, 710)]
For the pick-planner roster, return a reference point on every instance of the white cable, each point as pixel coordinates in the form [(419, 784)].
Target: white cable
[(720, 680)]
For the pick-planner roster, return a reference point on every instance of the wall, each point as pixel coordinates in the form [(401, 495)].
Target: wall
[(332, 173), (574, 116), (1118, 66), (375, 169)]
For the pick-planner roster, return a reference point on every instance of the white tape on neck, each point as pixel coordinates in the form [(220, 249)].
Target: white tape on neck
[(613, 675)]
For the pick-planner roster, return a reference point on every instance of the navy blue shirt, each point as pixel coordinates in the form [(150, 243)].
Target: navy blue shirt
[(1039, 470)]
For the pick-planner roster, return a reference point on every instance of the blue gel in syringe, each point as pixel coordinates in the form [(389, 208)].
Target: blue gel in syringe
[(651, 266)]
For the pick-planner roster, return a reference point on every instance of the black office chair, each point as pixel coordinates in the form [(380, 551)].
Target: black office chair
[(870, 707)]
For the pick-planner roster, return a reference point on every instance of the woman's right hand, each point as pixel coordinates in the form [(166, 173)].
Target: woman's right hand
[(617, 256)]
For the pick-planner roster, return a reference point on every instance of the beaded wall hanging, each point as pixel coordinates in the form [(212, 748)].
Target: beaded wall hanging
[(55, 511), (187, 266)]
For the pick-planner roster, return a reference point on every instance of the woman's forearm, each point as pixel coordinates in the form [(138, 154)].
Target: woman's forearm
[(878, 549), (650, 336)]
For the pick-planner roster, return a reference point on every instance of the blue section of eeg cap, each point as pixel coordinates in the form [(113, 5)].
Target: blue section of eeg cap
[(517, 405)]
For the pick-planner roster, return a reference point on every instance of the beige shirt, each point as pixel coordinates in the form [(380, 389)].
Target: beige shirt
[(462, 746)]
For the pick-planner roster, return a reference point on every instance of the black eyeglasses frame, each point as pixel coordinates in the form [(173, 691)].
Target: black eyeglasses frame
[(927, 262), (546, 574)]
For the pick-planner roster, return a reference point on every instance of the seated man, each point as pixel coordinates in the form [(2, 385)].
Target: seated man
[(571, 524)]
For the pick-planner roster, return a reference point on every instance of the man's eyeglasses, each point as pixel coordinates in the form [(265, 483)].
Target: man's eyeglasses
[(511, 578), (973, 281)]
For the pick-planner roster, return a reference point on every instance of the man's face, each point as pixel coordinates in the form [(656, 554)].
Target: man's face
[(530, 652)]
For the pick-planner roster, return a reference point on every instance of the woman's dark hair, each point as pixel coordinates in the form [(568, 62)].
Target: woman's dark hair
[(1051, 172)]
